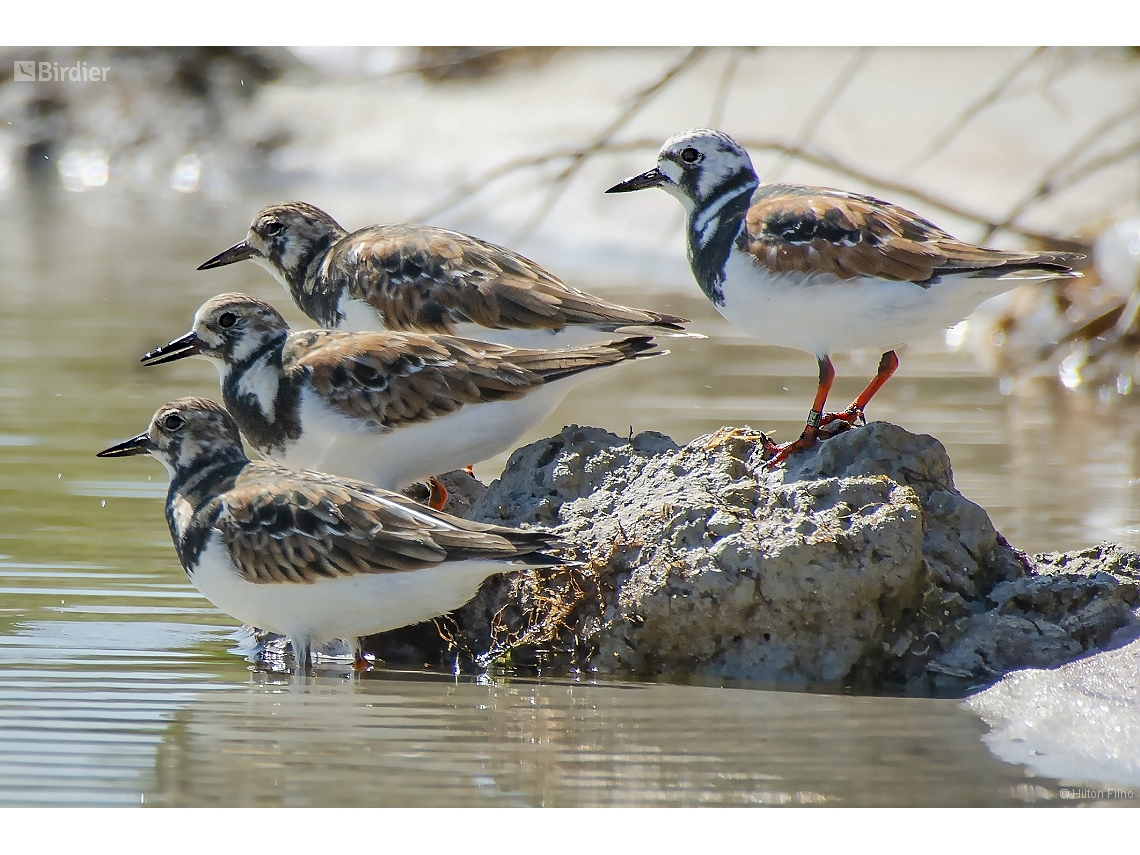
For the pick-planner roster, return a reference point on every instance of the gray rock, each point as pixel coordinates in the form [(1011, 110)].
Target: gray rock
[(1072, 604), (858, 564)]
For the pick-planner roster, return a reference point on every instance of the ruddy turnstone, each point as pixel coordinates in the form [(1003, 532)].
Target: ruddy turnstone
[(309, 555), (823, 270), (386, 407), (425, 279)]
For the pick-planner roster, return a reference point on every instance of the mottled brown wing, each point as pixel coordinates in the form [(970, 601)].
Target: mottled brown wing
[(430, 279), (285, 526), (817, 230), (395, 379)]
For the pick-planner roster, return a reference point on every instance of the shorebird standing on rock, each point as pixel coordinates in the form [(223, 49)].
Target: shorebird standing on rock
[(385, 407), (823, 270), (308, 555), (426, 279)]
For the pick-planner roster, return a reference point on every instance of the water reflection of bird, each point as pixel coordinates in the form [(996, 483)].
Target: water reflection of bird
[(308, 555), (425, 279), (823, 270), (389, 408)]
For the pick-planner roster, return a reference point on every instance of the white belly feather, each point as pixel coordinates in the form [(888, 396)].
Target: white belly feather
[(358, 316), (352, 448), (824, 314), (345, 608)]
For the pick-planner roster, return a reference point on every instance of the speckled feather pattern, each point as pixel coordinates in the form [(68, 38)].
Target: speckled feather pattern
[(416, 277), (382, 406), (816, 230), (282, 525), (397, 379), (431, 279)]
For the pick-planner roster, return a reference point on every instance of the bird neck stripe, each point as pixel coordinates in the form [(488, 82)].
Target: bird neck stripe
[(191, 482), (705, 217), (714, 228), (309, 266), (274, 343)]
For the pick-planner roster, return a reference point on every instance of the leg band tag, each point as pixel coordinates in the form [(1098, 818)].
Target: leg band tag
[(814, 418)]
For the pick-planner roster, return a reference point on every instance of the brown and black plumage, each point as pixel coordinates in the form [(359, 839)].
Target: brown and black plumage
[(422, 278), (307, 554), (816, 230), (281, 525), (822, 270), (396, 380), (386, 407)]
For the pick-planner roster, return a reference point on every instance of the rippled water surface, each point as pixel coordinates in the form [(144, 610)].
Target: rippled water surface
[(116, 681)]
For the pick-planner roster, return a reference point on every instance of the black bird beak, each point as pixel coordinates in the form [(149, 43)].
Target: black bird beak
[(180, 348), (653, 178), (140, 444), (237, 252)]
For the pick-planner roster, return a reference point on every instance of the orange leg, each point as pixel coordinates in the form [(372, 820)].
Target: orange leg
[(438, 497), (854, 414), (810, 436), (359, 663)]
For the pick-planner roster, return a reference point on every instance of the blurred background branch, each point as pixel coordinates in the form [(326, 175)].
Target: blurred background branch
[(468, 190), (992, 96), (843, 79)]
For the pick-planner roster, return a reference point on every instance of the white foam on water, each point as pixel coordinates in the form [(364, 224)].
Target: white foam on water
[(1080, 721)]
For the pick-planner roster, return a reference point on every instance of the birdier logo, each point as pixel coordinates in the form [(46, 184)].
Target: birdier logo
[(28, 70)]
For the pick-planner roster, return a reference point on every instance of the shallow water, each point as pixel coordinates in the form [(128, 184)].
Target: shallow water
[(116, 684), (192, 727)]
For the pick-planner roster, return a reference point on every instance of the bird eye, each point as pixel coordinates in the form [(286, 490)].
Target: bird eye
[(173, 422), (690, 155), (274, 228), (227, 319)]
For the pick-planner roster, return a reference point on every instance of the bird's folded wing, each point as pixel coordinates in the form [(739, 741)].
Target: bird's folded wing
[(305, 527), (810, 230), (431, 279), (396, 379)]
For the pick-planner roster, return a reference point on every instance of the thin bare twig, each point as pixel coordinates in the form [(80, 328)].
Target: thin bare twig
[(1093, 166), (1057, 64), (819, 111), (467, 189), (1045, 186), (724, 85), (995, 94), (578, 160), (577, 155)]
